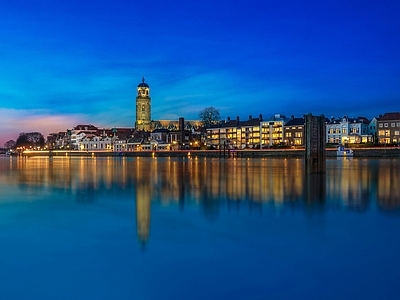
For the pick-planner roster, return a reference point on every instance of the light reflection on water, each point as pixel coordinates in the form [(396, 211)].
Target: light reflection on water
[(145, 190), (354, 184)]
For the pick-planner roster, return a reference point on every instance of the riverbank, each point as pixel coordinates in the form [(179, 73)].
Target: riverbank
[(284, 153)]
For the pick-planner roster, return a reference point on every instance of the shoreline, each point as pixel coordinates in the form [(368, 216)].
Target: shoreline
[(393, 152)]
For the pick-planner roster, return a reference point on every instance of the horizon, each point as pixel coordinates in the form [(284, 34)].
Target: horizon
[(74, 63)]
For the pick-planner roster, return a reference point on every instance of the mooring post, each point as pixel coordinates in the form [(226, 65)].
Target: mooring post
[(315, 132)]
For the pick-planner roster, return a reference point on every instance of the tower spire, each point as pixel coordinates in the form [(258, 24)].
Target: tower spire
[(143, 78)]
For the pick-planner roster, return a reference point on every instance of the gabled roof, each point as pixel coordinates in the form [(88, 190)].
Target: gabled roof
[(135, 141), (391, 116), (85, 127)]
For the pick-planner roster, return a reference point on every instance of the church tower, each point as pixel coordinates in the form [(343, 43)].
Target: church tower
[(143, 112)]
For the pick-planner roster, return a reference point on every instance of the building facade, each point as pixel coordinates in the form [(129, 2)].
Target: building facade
[(272, 131), (294, 132), (389, 128), (348, 131)]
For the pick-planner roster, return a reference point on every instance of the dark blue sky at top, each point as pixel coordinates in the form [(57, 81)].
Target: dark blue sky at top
[(72, 62)]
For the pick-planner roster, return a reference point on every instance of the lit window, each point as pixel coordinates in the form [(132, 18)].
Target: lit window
[(396, 132)]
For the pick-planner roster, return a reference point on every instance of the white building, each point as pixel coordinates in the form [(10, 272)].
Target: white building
[(348, 131)]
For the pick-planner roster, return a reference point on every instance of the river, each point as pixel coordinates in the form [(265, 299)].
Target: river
[(198, 228)]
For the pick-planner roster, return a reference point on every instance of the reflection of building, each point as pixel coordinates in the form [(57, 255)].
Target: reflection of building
[(143, 109)]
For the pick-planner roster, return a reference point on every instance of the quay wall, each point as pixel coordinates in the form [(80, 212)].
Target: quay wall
[(284, 153)]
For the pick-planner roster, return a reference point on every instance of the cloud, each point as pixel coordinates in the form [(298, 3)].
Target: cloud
[(14, 121)]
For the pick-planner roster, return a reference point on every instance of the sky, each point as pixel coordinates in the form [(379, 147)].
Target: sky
[(65, 63)]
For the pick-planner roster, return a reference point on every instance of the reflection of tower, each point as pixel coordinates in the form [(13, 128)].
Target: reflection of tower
[(143, 198), (143, 112)]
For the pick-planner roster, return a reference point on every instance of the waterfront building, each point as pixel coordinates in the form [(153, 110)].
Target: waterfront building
[(78, 133), (373, 129), (347, 130), (389, 128), (143, 107), (235, 134), (272, 131), (57, 140), (294, 132)]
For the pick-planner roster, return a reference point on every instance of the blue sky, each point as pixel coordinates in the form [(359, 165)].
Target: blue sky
[(80, 61)]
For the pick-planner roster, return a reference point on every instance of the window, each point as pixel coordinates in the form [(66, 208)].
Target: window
[(344, 130), (393, 124), (398, 124), (298, 134), (386, 125), (380, 125), (396, 132)]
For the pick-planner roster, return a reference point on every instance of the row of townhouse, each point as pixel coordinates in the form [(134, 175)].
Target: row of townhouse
[(279, 130), (256, 132)]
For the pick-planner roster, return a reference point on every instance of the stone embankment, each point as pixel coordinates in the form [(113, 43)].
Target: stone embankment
[(283, 153)]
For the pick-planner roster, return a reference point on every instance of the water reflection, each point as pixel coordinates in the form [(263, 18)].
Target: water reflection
[(356, 184)]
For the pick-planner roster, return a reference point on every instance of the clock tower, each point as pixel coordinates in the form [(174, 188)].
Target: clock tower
[(143, 111)]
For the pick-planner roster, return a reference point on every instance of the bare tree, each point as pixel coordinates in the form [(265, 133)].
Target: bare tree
[(31, 139), (209, 116), (11, 144)]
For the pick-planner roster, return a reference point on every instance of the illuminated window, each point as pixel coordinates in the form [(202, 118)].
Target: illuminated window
[(396, 132)]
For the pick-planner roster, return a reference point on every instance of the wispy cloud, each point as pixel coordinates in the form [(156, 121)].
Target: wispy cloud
[(14, 121)]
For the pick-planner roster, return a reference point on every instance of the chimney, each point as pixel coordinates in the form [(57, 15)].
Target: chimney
[(228, 119), (260, 118), (181, 124), (237, 118), (292, 117)]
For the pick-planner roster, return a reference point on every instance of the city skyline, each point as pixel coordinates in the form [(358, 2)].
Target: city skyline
[(74, 63)]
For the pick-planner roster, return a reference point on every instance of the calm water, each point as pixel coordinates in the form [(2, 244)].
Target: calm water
[(160, 228)]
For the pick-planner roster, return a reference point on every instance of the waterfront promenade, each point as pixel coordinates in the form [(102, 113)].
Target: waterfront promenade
[(372, 152)]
